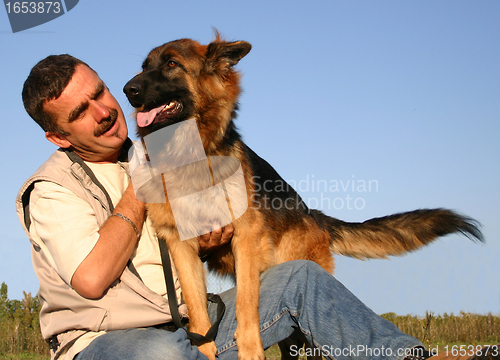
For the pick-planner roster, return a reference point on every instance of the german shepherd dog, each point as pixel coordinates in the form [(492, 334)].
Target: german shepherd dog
[(183, 80)]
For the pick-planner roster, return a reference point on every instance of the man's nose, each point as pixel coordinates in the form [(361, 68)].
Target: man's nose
[(100, 111)]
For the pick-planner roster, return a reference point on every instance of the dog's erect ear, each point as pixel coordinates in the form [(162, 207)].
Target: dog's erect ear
[(221, 55)]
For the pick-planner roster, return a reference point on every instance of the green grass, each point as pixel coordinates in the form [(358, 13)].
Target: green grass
[(463, 329), (274, 353), (25, 356), (20, 338)]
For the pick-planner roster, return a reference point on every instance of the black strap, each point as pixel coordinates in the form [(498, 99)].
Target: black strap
[(77, 159), (172, 301), (53, 343), (26, 204)]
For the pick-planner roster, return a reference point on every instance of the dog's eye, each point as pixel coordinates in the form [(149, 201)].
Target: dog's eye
[(172, 63)]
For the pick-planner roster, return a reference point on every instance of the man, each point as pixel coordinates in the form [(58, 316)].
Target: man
[(96, 256)]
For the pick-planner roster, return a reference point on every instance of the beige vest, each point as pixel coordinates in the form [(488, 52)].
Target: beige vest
[(128, 303)]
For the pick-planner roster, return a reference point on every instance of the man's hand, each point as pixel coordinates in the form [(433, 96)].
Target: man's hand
[(210, 242)]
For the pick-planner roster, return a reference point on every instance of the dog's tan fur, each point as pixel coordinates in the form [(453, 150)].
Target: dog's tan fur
[(209, 90)]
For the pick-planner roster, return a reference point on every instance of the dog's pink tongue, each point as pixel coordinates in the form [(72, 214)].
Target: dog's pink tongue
[(146, 118)]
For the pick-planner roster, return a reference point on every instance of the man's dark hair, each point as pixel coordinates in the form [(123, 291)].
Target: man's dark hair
[(46, 81)]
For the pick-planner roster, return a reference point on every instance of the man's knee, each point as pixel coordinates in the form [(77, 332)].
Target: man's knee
[(300, 268), (159, 342), (163, 344)]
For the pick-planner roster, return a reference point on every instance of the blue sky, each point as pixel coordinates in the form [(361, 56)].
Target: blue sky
[(400, 95)]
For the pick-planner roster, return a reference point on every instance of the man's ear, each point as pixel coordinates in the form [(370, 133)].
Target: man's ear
[(57, 139)]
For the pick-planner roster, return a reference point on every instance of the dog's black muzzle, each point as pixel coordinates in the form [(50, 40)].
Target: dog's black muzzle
[(134, 90)]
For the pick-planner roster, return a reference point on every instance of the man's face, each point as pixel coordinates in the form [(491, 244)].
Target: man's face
[(91, 118)]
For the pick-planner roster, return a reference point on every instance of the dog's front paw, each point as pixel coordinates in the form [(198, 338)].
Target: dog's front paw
[(250, 346), (209, 350)]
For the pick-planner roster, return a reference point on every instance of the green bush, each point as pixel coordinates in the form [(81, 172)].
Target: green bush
[(19, 326)]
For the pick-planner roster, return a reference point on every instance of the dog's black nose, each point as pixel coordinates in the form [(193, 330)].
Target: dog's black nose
[(132, 89)]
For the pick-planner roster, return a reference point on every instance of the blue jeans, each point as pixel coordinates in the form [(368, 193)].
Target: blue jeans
[(294, 295)]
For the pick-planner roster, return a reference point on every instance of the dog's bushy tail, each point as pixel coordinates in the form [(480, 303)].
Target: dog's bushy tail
[(395, 234)]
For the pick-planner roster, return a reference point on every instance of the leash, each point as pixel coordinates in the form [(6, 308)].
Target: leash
[(198, 339)]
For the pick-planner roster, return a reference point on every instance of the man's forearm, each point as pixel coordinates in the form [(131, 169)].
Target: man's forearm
[(117, 241)]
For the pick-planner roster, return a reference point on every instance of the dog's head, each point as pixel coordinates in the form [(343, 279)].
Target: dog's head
[(183, 79)]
